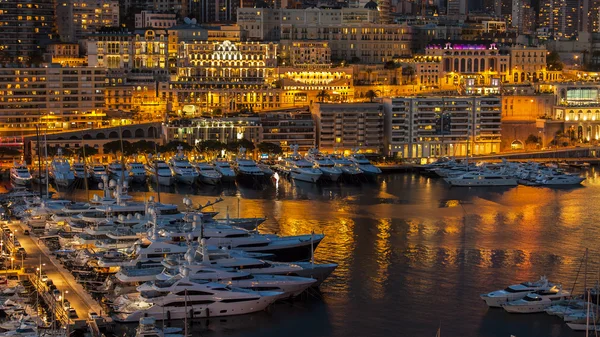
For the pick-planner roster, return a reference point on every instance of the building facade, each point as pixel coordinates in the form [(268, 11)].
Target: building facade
[(224, 130), (289, 127), (347, 127), (75, 19), (55, 98), (423, 127), (148, 19)]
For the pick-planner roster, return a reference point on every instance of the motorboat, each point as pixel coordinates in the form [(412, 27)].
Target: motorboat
[(19, 174), (560, 180), (117, 172), (184, 172), (79, 171), (348, 168), (223, 167), (147, 328), (479, 178), (515, 292), (159, 171), (299, 168), (208, 173), (137, 171), (364, 165), (195, 298), (325, 164), (246, 167), (537, 301), (60, 170), (96, 171), (267, 171)]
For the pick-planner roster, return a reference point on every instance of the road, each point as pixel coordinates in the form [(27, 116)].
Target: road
[(64, 281)]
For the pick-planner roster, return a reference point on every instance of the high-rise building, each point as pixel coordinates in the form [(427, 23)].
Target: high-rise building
[(457, 8), (27, 26), (75, 19), (206, 11)]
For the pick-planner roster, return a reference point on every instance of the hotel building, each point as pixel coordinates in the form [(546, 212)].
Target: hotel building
[(422, 127), (347, 127)]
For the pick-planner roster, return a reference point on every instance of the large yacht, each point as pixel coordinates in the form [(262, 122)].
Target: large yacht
[(137, 172), (560, 180), (194, 297), (325, 164), (364, 165), (96, 171), (79, 170), (515, 292), (223, 167), (537, 301), (246, 167), (479, 178), (117, 172), (159, 171), (19, 174), (184, 172), (60, 170), (299, 168), (208, 174), (349, 170)]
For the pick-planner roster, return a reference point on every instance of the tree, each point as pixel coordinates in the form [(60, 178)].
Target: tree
[(532, 139), (114, 147), (210, 146), (371, 95), (144, 146), (89, 151), (390, 65), (270, 148), (172, 146), (322, 95), (247, 144), (553, 61)]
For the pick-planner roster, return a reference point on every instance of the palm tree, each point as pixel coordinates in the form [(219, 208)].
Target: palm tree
[(322, 95), (371, 95)]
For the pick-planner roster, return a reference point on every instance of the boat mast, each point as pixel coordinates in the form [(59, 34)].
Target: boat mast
[(46, 160), (156, 171), (37, 134), (85, 173)]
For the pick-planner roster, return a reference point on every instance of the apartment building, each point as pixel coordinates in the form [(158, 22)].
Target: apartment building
[(224, 130), (75, 19), (346, 127), (436, 126), (56, 98), (149, 19), (289, 127)]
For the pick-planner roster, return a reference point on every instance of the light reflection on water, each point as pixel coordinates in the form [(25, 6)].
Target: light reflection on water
[(414, 253)]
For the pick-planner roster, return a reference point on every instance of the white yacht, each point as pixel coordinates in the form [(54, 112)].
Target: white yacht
[(19, 174), (96, 171), (479, 178), (325, 164), (195, 298), (80, 171), (246, 167), (299, 168), (147, 328), (208, 173), (137, 172), (159, 171), (561, 180), (537, 301), (60, 170), (348, 168), (515, 292), (184, 172), (223, 167), (364, 165), (117, 172)]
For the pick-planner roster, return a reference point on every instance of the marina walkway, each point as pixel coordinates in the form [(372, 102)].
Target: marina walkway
[(64, 281)]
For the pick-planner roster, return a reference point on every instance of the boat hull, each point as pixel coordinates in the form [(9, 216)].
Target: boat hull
[(187, 179), (309, 178), (210, 180), (481, 182), (300, 251), (20, 181)]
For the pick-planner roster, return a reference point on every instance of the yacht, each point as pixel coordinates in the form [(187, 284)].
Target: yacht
[(19, 174), (364, 165), (266, 170), (537, 301), (182, 169), (325, 164), (560, 180), (515, 292), (159, 171), (195, 298), (246, 167), (96, 171), (137, 172), (147, 328), (208, 174), (299, 168), (117, 172), (60, 170), (349, 170), (80, 171), (223, 167), (478, 178)]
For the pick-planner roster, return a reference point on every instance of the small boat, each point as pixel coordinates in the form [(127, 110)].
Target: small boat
[(19, 174), (515, 292), (478, 178), (537, 301)]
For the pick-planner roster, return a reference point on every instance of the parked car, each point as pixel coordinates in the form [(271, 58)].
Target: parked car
[(92, 316), (56, 293), (72, 313), (26, 232), (44, 278), (21, 252)]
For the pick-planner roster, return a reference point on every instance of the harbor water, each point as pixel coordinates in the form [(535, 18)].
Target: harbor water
[(414, 254)]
